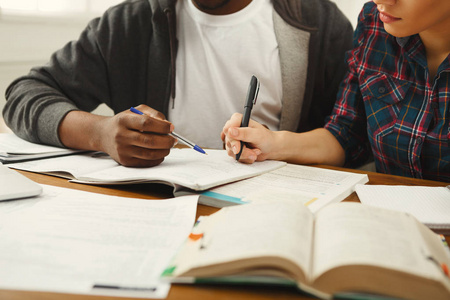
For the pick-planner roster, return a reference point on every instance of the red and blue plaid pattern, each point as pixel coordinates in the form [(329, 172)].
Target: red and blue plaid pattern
[(388, 99)]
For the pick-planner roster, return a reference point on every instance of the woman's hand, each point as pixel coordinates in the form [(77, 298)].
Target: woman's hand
[(317, 146), (259, 140)]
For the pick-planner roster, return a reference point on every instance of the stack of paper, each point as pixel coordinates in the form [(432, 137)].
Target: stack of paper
[(430, 205), (15, 149), (71, 241)]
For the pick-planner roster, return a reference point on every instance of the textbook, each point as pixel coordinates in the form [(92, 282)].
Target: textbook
[(15, 149), (182, 168), (314, 187), (345, 248)]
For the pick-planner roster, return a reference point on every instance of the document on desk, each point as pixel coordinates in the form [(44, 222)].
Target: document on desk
[(71, 241), (314, 187), (15, 149), (181, 168), (430, 205)]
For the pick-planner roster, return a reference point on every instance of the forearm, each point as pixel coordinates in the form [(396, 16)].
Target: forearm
[(34, 109), (318, 146), (82, 130)]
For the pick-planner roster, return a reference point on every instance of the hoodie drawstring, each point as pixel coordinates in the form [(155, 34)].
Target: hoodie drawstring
[(173, 48)]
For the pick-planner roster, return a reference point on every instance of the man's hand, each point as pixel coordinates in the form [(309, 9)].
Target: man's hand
[(130, 139)]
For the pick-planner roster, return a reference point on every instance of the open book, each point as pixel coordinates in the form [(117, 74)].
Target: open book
[(346, 247), (181, 168), (314, 187), (15, 149)]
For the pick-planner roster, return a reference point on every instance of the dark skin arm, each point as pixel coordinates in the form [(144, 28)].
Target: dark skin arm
[(130, 139)]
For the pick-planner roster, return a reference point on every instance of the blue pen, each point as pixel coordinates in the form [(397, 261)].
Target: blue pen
[(179, 137)]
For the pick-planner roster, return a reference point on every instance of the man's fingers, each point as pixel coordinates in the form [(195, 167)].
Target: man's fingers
[(135, 156), (151, 141), (151, 112), (146, 154), (141, 163), (145, 123)]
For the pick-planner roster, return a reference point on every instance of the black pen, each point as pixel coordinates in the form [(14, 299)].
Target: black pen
[(252, 94)]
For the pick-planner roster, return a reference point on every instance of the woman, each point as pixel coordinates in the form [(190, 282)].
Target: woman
[(394, 98)]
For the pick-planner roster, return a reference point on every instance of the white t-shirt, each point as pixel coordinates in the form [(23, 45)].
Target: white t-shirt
[(217, 55)]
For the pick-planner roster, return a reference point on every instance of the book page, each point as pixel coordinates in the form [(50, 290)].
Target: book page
[(188, 168), (312, 186), (252, 231), (430, 205), (352, 233), (71, 241), (184, 167)]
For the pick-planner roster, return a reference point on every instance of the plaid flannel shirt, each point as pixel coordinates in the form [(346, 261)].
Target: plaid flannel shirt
[(388, 99)]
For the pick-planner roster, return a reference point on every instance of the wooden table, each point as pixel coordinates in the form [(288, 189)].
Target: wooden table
[(151, 191)]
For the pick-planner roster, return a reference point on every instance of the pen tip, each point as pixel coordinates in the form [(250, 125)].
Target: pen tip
[(197, 148)]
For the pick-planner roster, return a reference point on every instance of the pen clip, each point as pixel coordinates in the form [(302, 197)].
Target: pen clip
[(253, 90), (257, 90)]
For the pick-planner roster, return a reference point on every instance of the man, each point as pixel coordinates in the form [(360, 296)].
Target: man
[(189, 60), (395, 96)]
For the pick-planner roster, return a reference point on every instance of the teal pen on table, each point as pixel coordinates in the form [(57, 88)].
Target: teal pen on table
[(175, 135)]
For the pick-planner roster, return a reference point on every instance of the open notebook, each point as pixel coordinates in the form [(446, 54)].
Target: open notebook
[(14, 185)]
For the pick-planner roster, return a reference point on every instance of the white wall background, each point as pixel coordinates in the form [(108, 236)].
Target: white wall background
[(28, 40)]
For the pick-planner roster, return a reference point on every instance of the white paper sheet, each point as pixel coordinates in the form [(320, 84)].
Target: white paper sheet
[(312, 186), (430, 205), (70, 241), (12, 144)]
